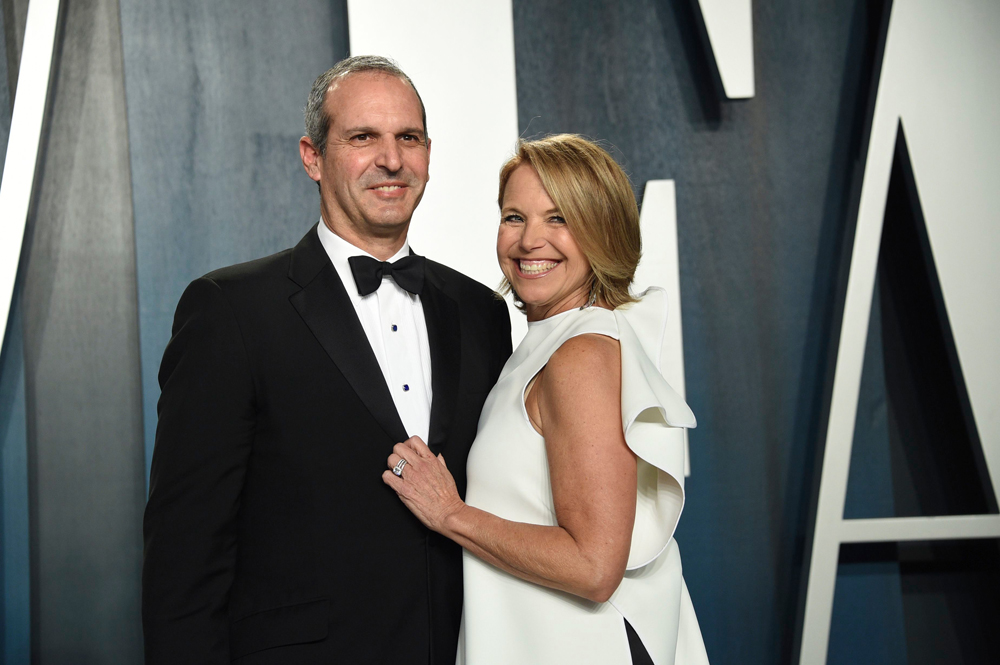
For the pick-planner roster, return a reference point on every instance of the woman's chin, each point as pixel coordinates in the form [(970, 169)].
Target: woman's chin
[(533, 300)]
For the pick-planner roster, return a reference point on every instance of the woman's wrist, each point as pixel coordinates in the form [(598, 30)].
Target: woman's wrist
[(451, 525)]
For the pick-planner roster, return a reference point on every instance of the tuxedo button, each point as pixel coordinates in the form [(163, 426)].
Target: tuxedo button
[(394, 327), (406, 387)]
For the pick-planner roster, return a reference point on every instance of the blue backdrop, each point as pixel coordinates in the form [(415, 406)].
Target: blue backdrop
[(766, 193)]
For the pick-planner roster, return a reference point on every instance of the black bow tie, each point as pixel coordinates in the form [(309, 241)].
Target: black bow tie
[(408, 273)]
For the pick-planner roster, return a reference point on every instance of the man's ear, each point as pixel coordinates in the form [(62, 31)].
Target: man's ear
[(428, 159), (311, 159)]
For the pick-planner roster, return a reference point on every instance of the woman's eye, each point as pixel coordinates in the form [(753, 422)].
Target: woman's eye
[(556, 219), (511, 219)]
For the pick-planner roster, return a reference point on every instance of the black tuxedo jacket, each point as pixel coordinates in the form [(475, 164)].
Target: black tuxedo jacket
[(269, 534)]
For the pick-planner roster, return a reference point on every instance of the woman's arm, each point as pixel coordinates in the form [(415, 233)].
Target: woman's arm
[(576, 404)]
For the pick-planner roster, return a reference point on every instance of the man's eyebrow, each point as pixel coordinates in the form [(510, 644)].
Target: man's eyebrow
[(354, 131)]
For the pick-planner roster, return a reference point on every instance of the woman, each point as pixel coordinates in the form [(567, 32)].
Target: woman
[(576, 475)]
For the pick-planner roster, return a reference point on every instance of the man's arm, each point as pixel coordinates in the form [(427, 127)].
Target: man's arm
[(203, 439), (501, 337)]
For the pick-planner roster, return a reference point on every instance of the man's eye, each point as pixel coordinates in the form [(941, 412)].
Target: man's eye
[(360, 137), (409, 137)]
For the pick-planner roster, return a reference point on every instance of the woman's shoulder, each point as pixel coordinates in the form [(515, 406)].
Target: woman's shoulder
[(587, 358), (587, 347)]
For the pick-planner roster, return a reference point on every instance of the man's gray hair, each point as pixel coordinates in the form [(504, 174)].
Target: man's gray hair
[(318, 120)]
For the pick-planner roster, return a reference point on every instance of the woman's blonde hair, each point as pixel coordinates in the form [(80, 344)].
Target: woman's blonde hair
[(595, 197)]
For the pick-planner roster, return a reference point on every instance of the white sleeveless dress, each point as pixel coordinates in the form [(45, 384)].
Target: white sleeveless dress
[(509, 621)]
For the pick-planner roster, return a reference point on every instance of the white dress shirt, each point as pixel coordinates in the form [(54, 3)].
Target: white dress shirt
[(393, 320)]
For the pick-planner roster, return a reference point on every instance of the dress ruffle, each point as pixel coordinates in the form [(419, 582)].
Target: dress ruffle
[(654, 417), (652, 594)]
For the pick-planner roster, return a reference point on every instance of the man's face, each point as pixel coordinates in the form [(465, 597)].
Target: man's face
[(375, 167)]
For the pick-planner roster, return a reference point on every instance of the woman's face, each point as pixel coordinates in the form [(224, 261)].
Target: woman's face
[(537, 253)]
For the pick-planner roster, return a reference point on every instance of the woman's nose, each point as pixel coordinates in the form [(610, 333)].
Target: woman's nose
[(532, 236)]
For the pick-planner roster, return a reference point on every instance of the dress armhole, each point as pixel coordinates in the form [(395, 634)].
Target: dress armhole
[(524, 399), (531, 380)]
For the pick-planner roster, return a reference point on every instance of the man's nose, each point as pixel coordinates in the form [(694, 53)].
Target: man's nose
[(389, 156)]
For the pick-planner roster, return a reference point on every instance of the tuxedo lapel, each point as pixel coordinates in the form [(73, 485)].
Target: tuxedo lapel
[(326, 309), (444, 337)]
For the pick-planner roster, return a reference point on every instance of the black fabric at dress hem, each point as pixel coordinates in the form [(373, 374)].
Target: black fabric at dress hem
[(639, 654)]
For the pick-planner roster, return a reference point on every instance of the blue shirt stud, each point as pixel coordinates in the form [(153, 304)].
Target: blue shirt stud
[(394, 327), (406, 387)]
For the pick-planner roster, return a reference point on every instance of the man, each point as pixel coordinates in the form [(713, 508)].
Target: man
[(269, 534)]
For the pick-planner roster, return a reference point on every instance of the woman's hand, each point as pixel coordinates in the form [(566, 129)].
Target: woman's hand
[(425, 485)]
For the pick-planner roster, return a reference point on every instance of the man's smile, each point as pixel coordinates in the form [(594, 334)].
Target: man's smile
[(390, 190)]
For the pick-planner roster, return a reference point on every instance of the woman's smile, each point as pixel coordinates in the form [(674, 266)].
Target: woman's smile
[(535, 268)]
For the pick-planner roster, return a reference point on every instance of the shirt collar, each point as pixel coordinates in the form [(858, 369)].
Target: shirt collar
[(340, 250)]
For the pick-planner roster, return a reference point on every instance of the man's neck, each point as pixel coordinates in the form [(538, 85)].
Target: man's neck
[(382, 248)]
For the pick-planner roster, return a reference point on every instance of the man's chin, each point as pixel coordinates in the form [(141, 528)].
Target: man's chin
[(389, 225), (390, 217)]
